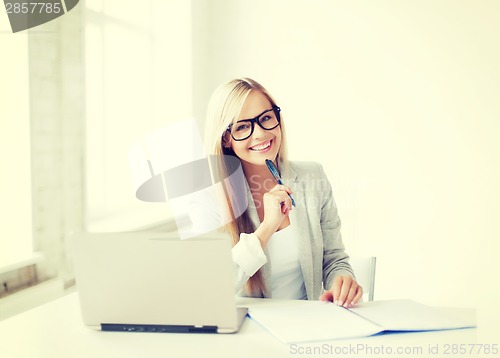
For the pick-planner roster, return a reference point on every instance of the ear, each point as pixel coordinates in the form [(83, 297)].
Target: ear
[(226, 142)]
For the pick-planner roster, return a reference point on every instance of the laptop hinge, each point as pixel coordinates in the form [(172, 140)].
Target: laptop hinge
[(118, 327)]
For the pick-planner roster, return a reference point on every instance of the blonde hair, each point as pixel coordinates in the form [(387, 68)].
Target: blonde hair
[(224, 107)]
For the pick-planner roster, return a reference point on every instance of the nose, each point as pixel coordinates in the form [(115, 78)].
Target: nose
[(258, 132)]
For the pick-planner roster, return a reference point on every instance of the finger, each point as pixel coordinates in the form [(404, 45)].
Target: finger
[(281, 187), (352, 293), (326, 296), (286, 199), (359, 294), (336, 287), (273, 199), (346, 286), (283, 198), (279, 195), (287, 210), (287, 203)]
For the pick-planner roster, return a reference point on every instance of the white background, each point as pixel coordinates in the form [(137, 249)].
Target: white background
[(399, 100)]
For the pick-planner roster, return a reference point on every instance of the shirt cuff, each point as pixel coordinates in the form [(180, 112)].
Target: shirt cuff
[(248, 254)]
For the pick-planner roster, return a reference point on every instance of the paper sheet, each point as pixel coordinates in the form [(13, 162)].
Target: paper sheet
[(312, 321), (406, 315), (307, 321)]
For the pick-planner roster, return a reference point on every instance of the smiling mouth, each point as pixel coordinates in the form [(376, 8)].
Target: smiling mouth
[(262, 146)]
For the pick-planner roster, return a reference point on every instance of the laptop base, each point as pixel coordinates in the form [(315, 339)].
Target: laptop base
[(159, 328), (156, 328)]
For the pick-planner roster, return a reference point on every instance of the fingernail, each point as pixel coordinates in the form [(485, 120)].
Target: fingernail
[(339, 303)]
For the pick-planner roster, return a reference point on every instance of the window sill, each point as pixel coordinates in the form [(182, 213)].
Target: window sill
[(17, 263), (31, 297)]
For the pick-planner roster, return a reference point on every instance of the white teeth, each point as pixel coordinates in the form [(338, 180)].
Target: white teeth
[(262, 146)]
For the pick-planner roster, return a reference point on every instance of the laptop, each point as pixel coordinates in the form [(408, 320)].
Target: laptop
[(156, 282)]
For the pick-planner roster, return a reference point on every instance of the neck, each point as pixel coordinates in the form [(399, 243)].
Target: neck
[(257, 175)]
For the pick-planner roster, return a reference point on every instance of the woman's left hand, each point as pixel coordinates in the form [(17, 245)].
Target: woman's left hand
[(345, 292)]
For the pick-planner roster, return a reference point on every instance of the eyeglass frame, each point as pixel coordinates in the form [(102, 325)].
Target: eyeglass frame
[(254, 120)]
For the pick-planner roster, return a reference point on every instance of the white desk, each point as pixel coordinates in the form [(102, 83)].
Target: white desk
[(55, 330)]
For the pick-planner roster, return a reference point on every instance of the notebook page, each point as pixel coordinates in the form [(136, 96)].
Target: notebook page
[(406, 315), (312, 321)]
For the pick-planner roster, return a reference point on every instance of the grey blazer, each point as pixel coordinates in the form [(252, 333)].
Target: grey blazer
[(321, 251)]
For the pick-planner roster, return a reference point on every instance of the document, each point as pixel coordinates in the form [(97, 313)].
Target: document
[(307, 321)]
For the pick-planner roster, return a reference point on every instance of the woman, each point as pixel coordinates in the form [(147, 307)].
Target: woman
[(279, 250)]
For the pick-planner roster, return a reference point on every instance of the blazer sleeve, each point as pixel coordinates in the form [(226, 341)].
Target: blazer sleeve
[(335, 259)]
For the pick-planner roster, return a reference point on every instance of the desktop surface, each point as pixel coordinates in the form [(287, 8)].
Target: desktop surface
[(56, 330)]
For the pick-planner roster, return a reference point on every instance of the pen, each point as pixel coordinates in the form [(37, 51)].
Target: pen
[(276, 175)]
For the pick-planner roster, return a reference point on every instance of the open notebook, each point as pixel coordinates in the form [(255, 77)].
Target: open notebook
[(306, 321)]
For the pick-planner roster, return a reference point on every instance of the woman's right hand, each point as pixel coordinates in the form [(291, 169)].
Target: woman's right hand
[(277, 206)]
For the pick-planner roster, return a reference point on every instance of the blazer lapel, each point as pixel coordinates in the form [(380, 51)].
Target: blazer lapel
[(298, 217)]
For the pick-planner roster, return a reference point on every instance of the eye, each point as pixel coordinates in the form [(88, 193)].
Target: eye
[(265, 118), (242, 127)]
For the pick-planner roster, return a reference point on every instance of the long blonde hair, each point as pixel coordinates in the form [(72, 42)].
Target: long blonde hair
[(224, 107)]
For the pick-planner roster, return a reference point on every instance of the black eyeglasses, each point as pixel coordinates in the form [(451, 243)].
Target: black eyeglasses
[(243, 129)]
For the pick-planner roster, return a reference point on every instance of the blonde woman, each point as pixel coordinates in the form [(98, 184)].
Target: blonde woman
[(279, 250)]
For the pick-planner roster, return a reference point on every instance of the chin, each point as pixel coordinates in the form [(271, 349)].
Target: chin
[(261, 158)]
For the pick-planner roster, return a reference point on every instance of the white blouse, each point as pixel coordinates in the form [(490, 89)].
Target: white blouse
[(287, 280)]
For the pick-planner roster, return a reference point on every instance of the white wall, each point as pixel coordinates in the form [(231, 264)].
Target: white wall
[(399, 101)]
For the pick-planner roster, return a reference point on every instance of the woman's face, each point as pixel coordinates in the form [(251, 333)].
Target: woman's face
[(262, 144)]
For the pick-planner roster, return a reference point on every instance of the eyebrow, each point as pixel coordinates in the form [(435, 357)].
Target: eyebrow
[(249, 119)]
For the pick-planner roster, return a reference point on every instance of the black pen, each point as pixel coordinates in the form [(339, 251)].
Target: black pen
[(276, 175)]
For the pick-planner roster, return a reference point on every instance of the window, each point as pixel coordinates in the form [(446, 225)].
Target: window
[(138, 79), (15, 189)]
